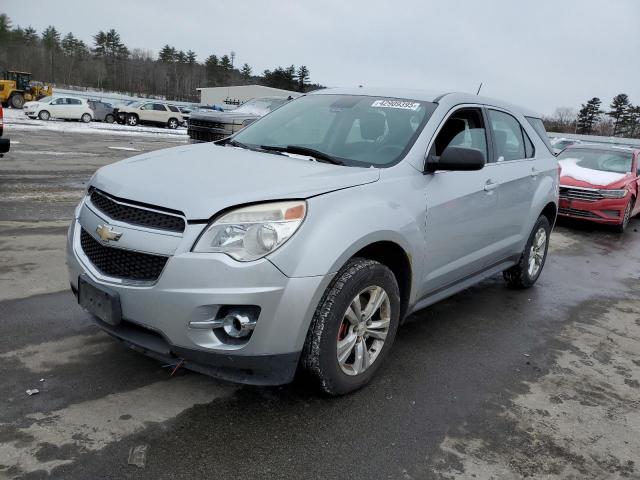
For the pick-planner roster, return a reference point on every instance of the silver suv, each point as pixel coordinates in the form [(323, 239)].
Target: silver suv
[(303, 241)]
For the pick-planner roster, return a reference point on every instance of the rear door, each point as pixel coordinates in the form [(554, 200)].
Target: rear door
[(160, 114), (461, 207), (514, 168)]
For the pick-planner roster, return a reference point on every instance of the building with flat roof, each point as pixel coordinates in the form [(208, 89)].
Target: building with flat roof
[(237, 95)]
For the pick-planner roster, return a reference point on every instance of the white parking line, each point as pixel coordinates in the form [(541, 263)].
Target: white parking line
[(127, 149)]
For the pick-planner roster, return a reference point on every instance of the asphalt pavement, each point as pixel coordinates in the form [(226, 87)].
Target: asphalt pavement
[(490, 383)]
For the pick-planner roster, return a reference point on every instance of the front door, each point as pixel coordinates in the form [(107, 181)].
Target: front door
[(461, 207)]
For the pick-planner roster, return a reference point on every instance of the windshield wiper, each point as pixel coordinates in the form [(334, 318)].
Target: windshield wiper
[(235, 143), (298, 149)]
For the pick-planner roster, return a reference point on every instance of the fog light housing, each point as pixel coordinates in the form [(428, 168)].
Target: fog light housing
[(237, 325)]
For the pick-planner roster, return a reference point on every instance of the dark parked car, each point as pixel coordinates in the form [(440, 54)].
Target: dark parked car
[(103, 111), (212, 126)]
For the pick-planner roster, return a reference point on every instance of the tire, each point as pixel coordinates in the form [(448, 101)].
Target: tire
[(132, 120), (626, 217), (16, 100), (358, 281), (44, 115), (85, 118), (109, 118), (173, 123), (527, 271)]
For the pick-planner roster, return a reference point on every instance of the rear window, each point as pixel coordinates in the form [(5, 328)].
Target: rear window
[(538, 126)]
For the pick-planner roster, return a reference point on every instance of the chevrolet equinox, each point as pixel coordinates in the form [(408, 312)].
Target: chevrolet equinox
[(302, 242)]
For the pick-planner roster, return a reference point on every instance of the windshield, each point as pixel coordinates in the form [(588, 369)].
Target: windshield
[(603, 160), (357, 130)]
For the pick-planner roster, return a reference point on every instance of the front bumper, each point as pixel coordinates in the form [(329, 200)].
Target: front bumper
[(606, 211), (194, 287)]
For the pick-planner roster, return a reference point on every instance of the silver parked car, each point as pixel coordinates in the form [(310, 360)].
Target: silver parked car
[(303, 241)]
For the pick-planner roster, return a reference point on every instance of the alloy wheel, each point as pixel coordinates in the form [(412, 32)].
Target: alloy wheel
[(537, 252), (363, 330)]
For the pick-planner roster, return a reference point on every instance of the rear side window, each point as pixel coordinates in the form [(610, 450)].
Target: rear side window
[(508, 138), (74, 101), (538, 126), (173, 108)]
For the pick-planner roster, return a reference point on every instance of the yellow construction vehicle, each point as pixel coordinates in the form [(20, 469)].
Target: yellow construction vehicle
[(17, 88)]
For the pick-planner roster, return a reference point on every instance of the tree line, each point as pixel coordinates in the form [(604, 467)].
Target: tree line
[(108, 64), (621, 119)]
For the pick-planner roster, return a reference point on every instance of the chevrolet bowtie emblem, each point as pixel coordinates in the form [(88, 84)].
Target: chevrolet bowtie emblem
[(107, 233)]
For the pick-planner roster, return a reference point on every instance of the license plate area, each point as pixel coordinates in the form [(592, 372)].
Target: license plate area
[(100, 301)]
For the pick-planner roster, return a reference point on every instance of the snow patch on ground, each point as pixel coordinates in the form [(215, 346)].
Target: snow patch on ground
[(594, 177), (56, 154), (17, 120), (127, 149)]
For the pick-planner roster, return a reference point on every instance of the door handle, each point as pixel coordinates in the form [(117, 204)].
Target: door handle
[(534, 172), (490, 185)]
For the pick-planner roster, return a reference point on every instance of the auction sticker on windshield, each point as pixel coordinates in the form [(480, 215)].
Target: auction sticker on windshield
[(396, 104)]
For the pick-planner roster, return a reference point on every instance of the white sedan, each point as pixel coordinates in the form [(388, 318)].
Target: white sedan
[(66, 108)]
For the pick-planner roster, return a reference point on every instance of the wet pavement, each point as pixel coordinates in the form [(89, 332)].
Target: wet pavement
[(490, 383)]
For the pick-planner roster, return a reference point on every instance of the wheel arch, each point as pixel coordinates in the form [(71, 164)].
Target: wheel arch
[(394, 257), (550, 211)]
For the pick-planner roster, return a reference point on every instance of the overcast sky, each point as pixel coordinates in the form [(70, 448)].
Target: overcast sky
[(541, 54)]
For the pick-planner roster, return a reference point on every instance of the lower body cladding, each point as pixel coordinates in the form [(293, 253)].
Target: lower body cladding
[(245, 322), (607, 211)]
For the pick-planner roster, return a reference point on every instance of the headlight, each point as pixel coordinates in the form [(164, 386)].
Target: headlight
[(250, 233), (613, 193)]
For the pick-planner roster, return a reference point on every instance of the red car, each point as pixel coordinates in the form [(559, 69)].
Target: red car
[(600, 183)]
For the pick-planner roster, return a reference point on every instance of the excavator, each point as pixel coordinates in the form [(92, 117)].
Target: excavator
[(17, 88)]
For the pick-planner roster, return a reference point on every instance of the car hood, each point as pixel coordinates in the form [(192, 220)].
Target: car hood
[(202, 179), (225, 117), (574, 175)]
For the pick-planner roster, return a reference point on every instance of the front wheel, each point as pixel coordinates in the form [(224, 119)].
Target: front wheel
[(16, 100), (109, 118), (626, 217), (86, 118), (44, 115), (528, 269), (353, 327)]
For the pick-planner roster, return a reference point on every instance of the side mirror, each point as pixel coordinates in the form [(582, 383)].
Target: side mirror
[(143, 107), (456, 159)]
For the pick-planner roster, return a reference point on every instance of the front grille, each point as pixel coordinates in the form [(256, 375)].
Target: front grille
[(194, 122), (119, 263), (206, 131), (135, 215), (201, 136), (577, 213), (583, 194)]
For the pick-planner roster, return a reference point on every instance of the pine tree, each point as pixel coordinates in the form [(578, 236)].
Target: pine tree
[(588, 116), (245, 71), (303, 78), (51, 42), (619, 113)]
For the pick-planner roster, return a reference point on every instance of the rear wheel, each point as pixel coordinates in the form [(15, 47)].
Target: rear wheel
[(353, 327), (16, 100), (528, 269), (44, 115), (86, 118), (109, 118), (172, 123), (132, 120), (626, 217)]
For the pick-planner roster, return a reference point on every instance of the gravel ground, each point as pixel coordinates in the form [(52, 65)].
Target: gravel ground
[(491, 383)]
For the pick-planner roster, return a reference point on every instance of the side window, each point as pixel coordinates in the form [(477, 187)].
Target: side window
[(75, 101), (464, 128), (507, 137), (529, 149), (147, 106), (159, 107), (173, 108)]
